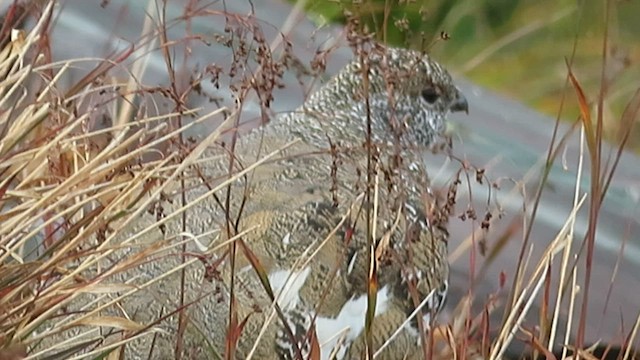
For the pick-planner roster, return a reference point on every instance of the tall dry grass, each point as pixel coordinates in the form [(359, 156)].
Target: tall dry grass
[(69, 185)]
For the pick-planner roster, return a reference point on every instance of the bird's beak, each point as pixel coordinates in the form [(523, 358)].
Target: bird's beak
[(459, 103)]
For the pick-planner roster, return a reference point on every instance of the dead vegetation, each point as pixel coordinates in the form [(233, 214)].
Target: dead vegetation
[(80, 163)]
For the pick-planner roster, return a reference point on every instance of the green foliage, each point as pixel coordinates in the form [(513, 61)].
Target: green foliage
[(402, 22), (517, 47)]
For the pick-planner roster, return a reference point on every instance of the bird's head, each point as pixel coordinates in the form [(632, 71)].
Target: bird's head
[(400, 91)]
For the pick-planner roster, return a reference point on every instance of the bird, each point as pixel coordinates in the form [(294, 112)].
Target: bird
[(340, 211)]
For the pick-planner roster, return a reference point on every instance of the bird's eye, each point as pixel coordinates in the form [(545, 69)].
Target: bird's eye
[(430, 94)]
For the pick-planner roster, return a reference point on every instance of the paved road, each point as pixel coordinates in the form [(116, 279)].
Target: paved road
[(501, 134)]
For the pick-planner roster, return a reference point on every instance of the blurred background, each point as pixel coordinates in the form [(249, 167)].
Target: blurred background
[(517, 47)]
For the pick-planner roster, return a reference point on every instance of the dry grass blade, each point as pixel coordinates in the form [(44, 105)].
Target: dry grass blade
[(111, 321), (517, 312), (632, 337), (409, 319), (13, 68), (314, 351), (585, 113), (264, 279), (372, 282), (565, 266), (67, 191)]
